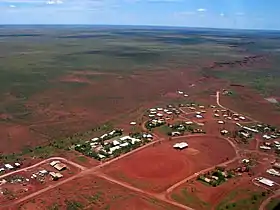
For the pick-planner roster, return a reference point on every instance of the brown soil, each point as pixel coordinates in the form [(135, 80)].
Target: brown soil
[(251, 103), (158, 167), (94, 193)]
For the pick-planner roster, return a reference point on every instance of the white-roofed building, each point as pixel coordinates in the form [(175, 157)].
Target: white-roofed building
[(125, 138), (266, 181), (181, 145), (115, 143), (104, 135), (124, 144), (198, 116), (95, 139), (113, 149), (9, 166)]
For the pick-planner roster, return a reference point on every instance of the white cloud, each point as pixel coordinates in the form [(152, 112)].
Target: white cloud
[(12, 6), (222, 14), (54, 2), (201, 10)]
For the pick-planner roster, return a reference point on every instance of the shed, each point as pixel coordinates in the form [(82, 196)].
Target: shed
[(9, 166), (60, 166), (56, 175), (53, 163)]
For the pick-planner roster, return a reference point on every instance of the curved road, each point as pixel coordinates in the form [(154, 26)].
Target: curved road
[(162, 197), (82, 173), (265, 202)]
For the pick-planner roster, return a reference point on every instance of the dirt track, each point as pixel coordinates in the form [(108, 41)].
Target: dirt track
[(159, 196)]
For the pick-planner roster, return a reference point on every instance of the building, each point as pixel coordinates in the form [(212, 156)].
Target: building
[(95, 139), (273, 172), (9, 166), (175, 133), (115, 143), (60, 166), (198, 116), (56, 175), (276, 165), (265, 148), (245, 161), (181, 145), (53, 163), (224, 132), (17, 165), (265, 181)]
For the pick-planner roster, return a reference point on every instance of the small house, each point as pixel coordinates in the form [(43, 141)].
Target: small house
[(60, 166), (56, 175)]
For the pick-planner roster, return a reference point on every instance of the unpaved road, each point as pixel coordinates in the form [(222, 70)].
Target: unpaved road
[(82, 173), (42, 162)]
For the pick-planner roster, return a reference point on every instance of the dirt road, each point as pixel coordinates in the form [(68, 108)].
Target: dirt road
[(265, 202), (157, 196), (42, 162), (82, 173)]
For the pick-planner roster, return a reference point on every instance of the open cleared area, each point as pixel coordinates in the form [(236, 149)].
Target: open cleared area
[(94, 193), (160, 166)]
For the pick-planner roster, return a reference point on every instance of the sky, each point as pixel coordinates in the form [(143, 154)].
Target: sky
[(241, 14)]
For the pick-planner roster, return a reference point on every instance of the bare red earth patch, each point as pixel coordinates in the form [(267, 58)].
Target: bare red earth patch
[(91, 192), (158, 167)]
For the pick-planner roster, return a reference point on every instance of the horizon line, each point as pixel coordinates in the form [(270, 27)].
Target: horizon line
[(140, 26)]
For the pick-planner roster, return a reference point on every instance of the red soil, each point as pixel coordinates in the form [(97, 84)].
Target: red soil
[(65, 108), (94, 193), (214, 195), (158, 167), (15, 137), (252, 104)]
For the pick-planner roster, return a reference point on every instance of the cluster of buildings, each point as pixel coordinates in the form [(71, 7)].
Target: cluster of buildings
[(228, 115), (55, 175), (179, 129), (180, 92), (8, 167), (163, 113), (216, 177), (111, 143)]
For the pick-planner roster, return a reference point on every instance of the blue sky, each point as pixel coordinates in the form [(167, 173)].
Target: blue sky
[(248, 14)]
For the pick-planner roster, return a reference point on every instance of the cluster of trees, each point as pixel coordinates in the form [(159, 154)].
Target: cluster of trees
[(149, 125), (221, 178)]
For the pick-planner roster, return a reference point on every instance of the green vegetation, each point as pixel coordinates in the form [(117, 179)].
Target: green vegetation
[(73, 205), (273, 204), (55, 146), (216, 177), (96, 198), (250, 200), (54, 206), (189, 199), (82, 159)]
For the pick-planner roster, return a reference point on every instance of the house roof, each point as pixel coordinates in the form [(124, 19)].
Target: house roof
[(60, 166)]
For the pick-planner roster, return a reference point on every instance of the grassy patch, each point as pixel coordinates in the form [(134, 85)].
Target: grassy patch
[(273, 204), (241, 199), (190, 199), (82, 159)]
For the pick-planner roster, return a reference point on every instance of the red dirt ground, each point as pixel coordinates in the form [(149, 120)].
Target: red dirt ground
[(214, 195), (158, 167), (252, 104), (59, 110), (18, 189), (94, 193)]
